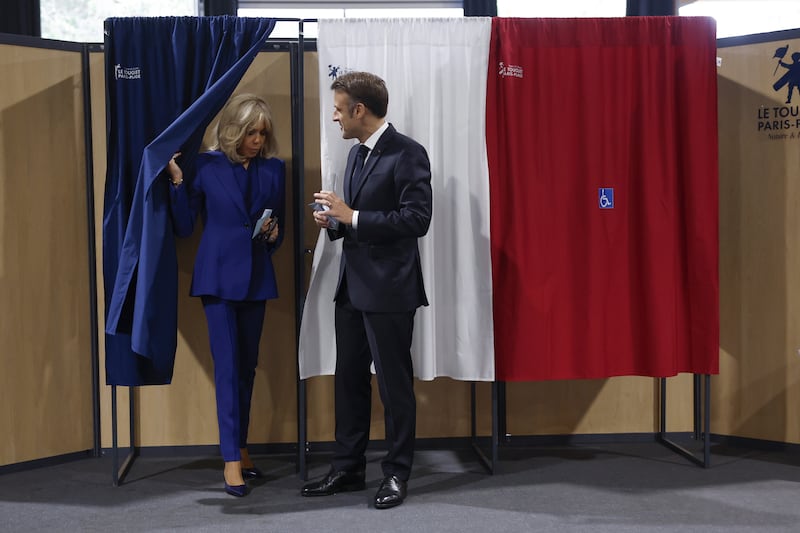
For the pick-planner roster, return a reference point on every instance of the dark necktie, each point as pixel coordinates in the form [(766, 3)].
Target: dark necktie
[(361, 156)]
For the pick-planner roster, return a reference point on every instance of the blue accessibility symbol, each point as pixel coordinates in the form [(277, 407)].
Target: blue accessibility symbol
[(606, 198)]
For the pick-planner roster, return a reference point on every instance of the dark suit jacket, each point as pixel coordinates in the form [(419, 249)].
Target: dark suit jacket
[(395, 202), (229, 263)]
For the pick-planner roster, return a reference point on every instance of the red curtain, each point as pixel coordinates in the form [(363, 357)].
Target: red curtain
[(584, 288)]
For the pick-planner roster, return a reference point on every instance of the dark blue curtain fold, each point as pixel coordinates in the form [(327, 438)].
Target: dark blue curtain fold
[(220, 7), (480, 8), (21, 17), (651, 8), (166, 79)]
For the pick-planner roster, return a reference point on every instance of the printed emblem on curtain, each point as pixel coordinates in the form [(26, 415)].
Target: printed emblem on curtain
[(602, 143), (435, 71)]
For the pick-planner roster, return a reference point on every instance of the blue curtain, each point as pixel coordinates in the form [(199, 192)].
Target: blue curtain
[(166, 79), (21, 18), (480, 8), (651, 8)]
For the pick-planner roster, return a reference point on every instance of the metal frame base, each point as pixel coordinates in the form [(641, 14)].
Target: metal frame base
[(498, 425), (118, 472), (702, 388)]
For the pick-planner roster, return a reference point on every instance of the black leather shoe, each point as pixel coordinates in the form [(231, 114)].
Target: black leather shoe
[(391, 493), (252, 472), (341, 481), (236, 490)]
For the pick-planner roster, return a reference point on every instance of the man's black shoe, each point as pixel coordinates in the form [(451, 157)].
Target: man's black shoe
[(334, 482), (391, 493)]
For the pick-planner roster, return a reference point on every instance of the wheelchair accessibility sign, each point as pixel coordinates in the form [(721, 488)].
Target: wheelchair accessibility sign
[(606, 198)]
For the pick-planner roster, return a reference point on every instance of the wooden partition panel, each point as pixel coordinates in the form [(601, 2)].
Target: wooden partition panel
[(758, 391), (616, 405), (45, 330)]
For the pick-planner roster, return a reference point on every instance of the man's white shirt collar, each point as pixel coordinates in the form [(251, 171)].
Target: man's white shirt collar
[(373, 139)]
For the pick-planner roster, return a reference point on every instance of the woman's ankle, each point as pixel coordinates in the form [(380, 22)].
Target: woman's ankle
[(246, 461), (233, 473)]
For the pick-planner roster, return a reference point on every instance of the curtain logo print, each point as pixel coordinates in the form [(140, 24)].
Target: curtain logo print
[(772, 119), (514, 71), (606, 197), (334, 71), (127, 73)]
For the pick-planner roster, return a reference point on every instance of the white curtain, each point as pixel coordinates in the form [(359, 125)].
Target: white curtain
[(435, 70)]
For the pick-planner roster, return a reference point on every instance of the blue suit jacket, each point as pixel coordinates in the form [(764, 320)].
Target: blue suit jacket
[(395, 203), (230, 264)]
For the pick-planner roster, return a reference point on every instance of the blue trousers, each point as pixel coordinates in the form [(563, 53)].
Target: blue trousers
[(234, 331)]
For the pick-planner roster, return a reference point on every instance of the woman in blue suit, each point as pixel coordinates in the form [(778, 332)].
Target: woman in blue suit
[(233, 274)]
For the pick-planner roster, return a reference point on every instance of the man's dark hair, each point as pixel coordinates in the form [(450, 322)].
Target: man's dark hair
[(365, 88)]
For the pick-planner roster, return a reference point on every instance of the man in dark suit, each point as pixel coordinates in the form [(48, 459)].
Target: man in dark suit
[(387, 206)]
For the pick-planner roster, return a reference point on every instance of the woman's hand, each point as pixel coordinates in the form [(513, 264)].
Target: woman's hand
[(175, 172), (270, 229)]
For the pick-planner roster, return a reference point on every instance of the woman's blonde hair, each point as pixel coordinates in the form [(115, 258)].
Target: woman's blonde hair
[(241, 113)]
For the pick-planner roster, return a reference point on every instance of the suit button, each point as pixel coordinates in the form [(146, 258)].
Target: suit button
[(246, 225)]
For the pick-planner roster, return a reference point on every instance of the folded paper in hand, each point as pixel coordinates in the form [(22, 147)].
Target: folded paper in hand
[(265, 216), (316, 206)]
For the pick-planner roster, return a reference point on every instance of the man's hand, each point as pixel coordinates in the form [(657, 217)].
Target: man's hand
[(337, 209)]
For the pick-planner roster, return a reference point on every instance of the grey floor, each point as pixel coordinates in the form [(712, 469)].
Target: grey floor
[(599, 488)]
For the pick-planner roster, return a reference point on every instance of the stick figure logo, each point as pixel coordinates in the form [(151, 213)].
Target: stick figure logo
[(334, 71), (791, 77)]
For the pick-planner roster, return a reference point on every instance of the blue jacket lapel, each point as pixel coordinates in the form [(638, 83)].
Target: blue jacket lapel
[(227, 182)]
